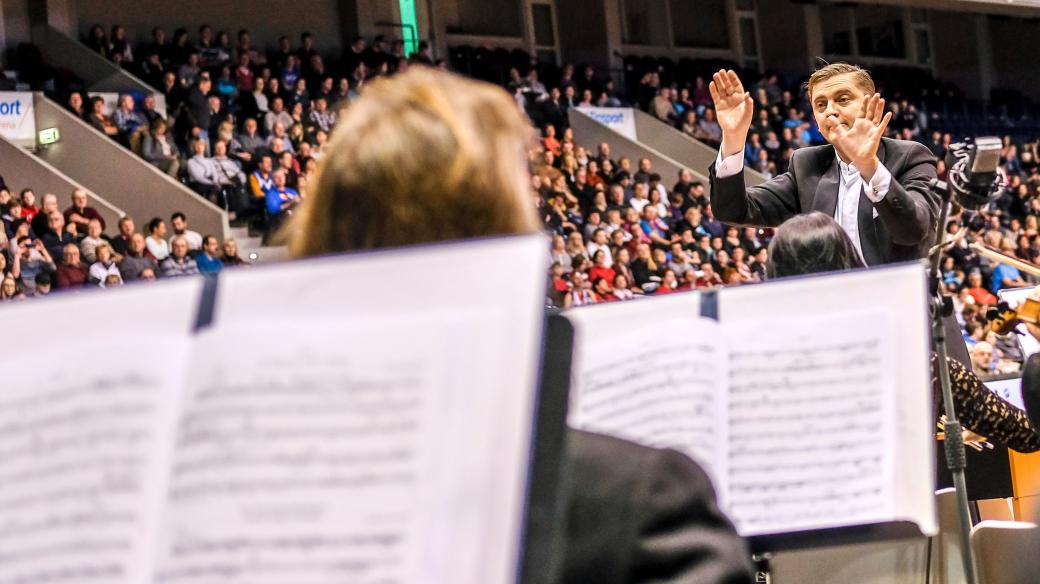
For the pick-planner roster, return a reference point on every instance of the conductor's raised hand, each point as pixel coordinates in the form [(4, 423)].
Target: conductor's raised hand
[(734, 109), (860, 140)]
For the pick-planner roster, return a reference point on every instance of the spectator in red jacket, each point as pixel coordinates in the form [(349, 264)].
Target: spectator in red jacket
[(70, 274)]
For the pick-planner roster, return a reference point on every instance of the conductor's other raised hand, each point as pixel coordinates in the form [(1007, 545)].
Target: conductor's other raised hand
[(734, 109)]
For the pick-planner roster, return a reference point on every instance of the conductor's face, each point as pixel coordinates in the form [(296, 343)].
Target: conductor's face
[(837, 97)]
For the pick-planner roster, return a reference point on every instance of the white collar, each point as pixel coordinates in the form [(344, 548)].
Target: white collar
[(848, 170)]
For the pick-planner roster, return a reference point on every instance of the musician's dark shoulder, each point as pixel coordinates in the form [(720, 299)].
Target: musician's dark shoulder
[(639, 514)]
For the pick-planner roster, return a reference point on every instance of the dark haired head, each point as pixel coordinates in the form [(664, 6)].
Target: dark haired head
[(154, 224), (808, 244), (178, 215)]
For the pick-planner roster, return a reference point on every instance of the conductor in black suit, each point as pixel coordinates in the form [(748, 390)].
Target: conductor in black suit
[(876, 188)]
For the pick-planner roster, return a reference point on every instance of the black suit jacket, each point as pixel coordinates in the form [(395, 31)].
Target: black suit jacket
[(639, 515), (906, 218)]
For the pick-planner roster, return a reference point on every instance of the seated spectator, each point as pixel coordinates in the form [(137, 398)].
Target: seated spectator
[(600, 269), (321, 118), (9, 289), (250, 139), (253, 103), (136, 260), (977, 291), (277, 115), (88, 245), (119, 46), (70, 274), (1006, 275), (209, 261), (229, 257), (158, 149), (111, 281), (126, 118), (99, 121), (180, 229), (299, 94), (287, 162), (121, 242), (41, 220), (654, 227), (75, 105), (156, 241), (260, 180), (44, 282), (708, 277), (178, 263), (28, 199), (80, 214), (663, 108), (12, 213), (32, 258), (59, 235), (278, 135), (280, 199), (711, 128), (202, 172), (230, 180), (104, 267)]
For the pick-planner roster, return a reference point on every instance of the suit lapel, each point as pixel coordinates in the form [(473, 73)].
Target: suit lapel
[(868, 236), (868, 240), (826, 198)]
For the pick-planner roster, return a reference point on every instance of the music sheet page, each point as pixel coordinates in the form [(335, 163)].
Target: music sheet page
[(83, 445), (812, 417), (327, 453), (653, 372)]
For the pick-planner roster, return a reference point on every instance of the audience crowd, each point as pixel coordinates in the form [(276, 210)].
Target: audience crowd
[(246, 128), (46, 249)]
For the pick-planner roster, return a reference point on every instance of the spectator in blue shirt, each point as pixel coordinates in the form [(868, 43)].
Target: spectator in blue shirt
[(209, 260), (1006, 276), (280, 198)]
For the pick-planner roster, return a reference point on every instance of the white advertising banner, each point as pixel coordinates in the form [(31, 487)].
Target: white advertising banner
[(620, 119), (17, 120)]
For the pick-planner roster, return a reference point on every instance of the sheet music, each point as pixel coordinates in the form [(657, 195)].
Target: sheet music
[(653, 372), (327, 454), (807, 409), (83, 444)]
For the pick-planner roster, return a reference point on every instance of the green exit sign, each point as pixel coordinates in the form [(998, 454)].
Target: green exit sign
[(410, 24), (48, 136)]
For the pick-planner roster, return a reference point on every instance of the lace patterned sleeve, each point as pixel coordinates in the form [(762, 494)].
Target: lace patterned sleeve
[(984, 412)]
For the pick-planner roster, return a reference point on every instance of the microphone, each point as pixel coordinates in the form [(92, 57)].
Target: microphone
[(974, 175)]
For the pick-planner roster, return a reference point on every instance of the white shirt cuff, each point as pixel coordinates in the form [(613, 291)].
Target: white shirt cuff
[(732, 164), (877, 188)]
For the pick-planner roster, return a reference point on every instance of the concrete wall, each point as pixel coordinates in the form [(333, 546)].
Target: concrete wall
[(585, 31), (22, 170), (1014, 54), (97, 72), (14, 25), (956, 54), (693, 154), (266, 19), (785, 42), (105, 167)]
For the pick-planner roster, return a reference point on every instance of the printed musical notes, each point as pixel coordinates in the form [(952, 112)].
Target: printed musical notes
[(806, 412), (660, 385), (80, 445)]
